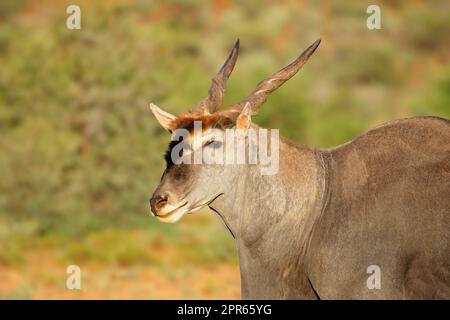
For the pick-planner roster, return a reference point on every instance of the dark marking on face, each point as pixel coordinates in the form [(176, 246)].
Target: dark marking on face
[(168, 153), (180, 172), (187, 122)]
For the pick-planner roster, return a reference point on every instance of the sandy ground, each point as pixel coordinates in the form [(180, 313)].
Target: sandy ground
[(44, 279)]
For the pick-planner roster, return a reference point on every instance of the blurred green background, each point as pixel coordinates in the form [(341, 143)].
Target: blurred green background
[(80, 152)]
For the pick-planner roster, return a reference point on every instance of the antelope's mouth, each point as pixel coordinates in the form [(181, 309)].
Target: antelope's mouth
[(174, 215)]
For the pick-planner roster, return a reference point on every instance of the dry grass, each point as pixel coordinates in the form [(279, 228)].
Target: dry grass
[(43, 278), (178, 262), (155, 273)]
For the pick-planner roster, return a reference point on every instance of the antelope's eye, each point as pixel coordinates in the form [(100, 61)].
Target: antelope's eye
[(213, 144)]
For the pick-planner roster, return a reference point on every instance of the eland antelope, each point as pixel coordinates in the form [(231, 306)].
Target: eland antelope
[(315, 228)]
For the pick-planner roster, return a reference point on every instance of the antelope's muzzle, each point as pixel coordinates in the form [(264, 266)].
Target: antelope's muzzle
[(157, 201)]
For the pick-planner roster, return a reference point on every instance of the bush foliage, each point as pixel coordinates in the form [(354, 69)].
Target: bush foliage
[(80, 150)]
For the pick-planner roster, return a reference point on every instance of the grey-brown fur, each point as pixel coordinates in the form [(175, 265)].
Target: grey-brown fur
[(312, 230), (382, 199)]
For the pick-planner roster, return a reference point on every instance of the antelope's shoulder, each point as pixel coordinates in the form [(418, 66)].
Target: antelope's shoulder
[(412, 142), (407, 154), (427, 132)]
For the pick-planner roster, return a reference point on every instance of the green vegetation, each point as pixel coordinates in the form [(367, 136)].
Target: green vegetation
[(80, 152)]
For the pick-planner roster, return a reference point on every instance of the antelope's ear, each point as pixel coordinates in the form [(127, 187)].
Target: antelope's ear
[(164, 118), (243, 120)]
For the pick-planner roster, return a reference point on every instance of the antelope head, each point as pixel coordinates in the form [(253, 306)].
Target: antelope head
[(188, 185)]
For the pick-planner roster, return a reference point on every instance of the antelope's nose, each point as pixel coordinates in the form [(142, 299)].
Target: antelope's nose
[(157, 202)]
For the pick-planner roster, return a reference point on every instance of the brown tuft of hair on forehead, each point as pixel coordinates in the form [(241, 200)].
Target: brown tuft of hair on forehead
[(218, 121)]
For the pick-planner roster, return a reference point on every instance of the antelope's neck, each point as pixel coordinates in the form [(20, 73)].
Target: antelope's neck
[(262, 211)]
